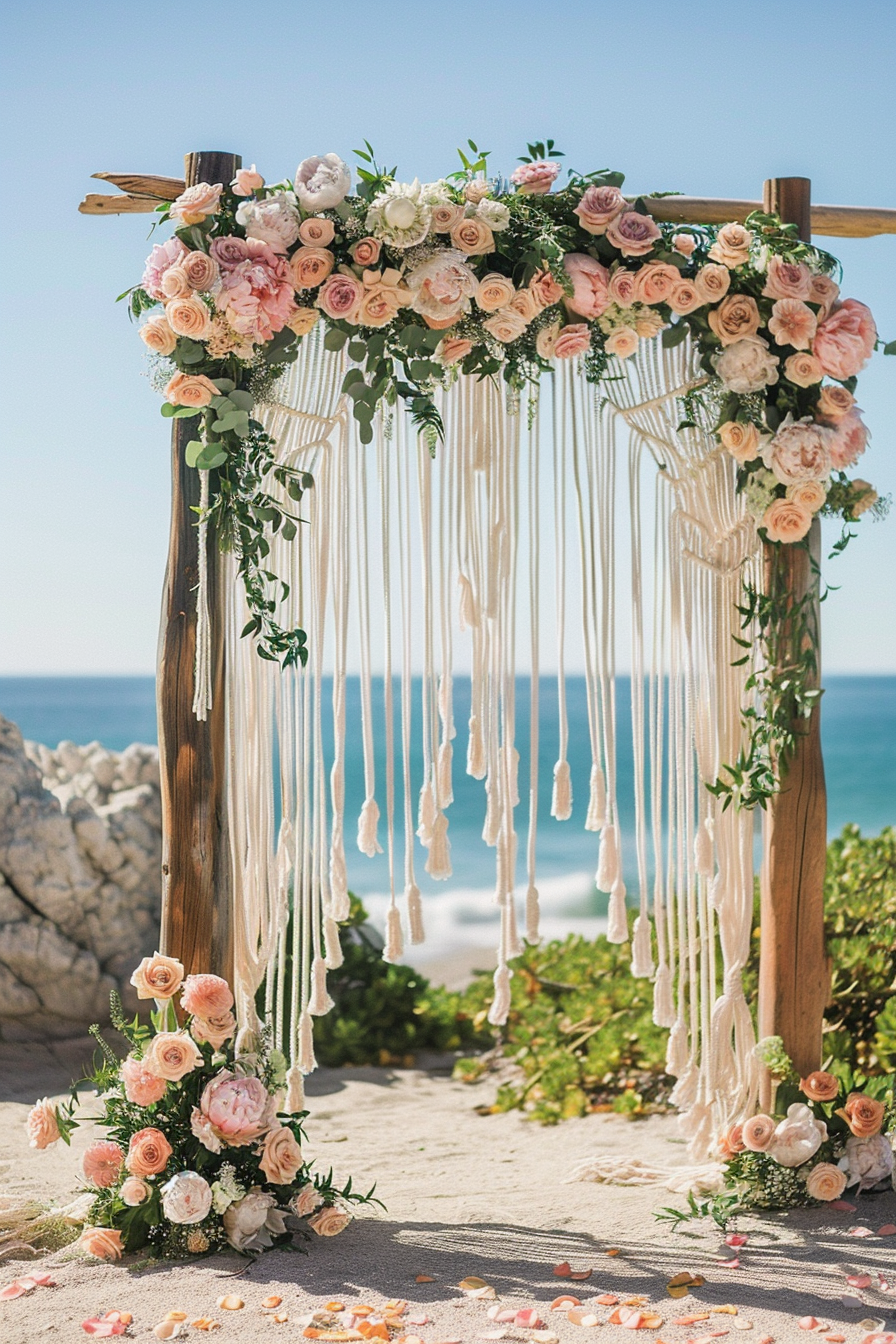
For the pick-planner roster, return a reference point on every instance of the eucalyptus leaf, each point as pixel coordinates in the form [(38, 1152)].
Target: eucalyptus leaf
[(192, 452), (335, 339)]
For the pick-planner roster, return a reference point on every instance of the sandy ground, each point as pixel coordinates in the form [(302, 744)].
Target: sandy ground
[(465, 1195)]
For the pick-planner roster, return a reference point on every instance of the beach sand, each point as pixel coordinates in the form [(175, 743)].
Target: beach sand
[(466, 1195)]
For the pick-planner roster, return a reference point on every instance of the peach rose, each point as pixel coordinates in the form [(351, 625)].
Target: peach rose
[(200, 269), (172, 1055), (102, 1162), (546, 340), (186, 389), (803, 369), (174, 284), (494, 291), (825, 1182), (246, 181), (148, 1153), (787, 280), (633, 234), (523, 302), (622, 343), (302, 320), (809, 495), (545, 290), (197, 203), (280, 1156), (340, 297), (685, 297), (452, 349), (158, 977), (316, 232), (329, 1222), (732, 1142), (850, 439), (799, 451), (737, 316), (590, 281), (366, 251), (648, 323), (599, 207), (473, 237), (742, 440), (732, 245), (835, 402), (863, 496), (572, 340), (505, 325), (42, 1125), (845, 339), (477, 190), (157, 335), (863, 1115), (786, 520), (622, 287), (820, 1086), (793, 323), (306, 1201), (825, 292), (206, 995), (103, 1243), (445, 216), (189, 317), (213, 1031), (684, 244), (756, 1133), (134, 1191), (712, 282), (142, 1087), (310, 266), (656, 282)]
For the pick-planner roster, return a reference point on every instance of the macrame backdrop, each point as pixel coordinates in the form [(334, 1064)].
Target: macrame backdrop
[(402, 550)]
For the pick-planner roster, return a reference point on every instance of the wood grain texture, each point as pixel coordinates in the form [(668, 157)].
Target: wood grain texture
[(195, 855), (94, 204), (146, 184), (836, 221)]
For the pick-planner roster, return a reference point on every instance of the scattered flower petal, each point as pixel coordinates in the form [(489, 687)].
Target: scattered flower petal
[(859, 1232), (842, 1206), (104, 1327), (810, 1323), (468, 1285), (396, 1306), (727, 1310), (418, 1320), (888, 1230), (580, 1275), (740, 1324), (607, 1299), (691, 1320), (835, 1339), (562, 1271), (565, 1302), (614, 1250), (176, 1316), (13, 1290), (205, 1323), (579, 1317), (230, 1302), (730, 1264), (424, 1278), (736, 1239), (859, 1280), (528, 1319)]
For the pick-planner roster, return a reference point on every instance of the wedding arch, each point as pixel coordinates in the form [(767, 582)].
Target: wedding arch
[(407, 400)]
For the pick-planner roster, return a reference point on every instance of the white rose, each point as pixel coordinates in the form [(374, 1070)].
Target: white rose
[(867, 1161), (274, 221), (747, 366), (251, 1221), (798, 1137), (186, 1198), (322, 183), (494, 214)]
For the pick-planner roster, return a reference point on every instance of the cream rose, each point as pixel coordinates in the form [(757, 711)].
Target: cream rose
[(622, 343), (214, 1031), (648, 323), (473, 237), (799, 451), (134, 1191), (572, 340), (786, 520), (200, 269), (445, 216), (736, 317), (505, 325), (867, 1161), (622, 288), (158, 977), (712, 282), (172, 1055), (310, 266), (42, 1125), (316, 232), (732, 245), (321, 183), (302, 320), (189, 317), (545, 290), (174, 284), (281, 1157), (186, 1198), (523, 302), (684, 244), (685, 297), (477, 190), (747, 365), (157, 335), (809, 495), (835, 402), (825, 1182), (382, 298), (546, 340), (742, 440), (197, 203), (494, 214), (799, 1135), (252, 1222), (329, 1222), (803, 369), (494, 291)]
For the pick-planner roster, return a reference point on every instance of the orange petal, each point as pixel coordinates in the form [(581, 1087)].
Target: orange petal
[(580, 1275), (725, 1311), (693, 1319), (470, 1284), (808, 1323), (564, 1303), (274, 1301), (362, 1309), (585, 1318), (396, 1306), (424, 1278), (614, 1250), (205, 1323), (607, 1299), (230, 1302), (280, 1317), (328, 1306), (562, 1271), (13, 1290)]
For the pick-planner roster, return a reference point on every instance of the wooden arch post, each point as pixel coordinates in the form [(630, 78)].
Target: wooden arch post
[(195, 856)]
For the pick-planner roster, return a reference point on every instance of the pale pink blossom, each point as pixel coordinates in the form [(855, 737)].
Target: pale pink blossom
[(684, 244), (788, 521), (142, 1087), (535, 179), (747, 365), (161, 258), (803, 369), (622, 343), (787, 279), (186, 1198), (845, 339), (196, 203), (42, 1125), (792, 323), (234, 1110), (442, 287), (756, 1133), (214, 1031), (799, 451), (102, 1163), (849, 441), (799, 1135), (633, 234), (340, 297), (134, 1190), (590, 280), (246, 181), (274, 221), (573, 340), (322, 183), (825, 292), (599, 207), (256, 294)]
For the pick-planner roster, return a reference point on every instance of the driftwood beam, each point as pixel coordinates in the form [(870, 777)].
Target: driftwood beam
[(835, 221), (146, 184), (94, 204)]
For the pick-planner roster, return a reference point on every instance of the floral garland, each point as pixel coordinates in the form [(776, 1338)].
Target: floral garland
[(497, 278), (198, 1156)]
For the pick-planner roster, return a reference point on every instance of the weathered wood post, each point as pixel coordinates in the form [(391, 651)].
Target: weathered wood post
[(195, 857), (794, 975)]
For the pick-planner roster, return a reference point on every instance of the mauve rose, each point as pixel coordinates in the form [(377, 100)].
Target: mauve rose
[(712, 282), (787, 280), (134, 1191), (799, 451), (236, 1110), (864, 1115), (747, 365), (142, 1087), (103, 1243), (825, 1182), (102, 1163), (599, 207), (189, 389), (306, 1201), (505, 325), (322, 183), (157, 335), (214, 1031), (732, 245), (160, 259), (845, 339), (246, 181), (850, 440), (684, 244), (545, 290), (737, 316), (820, 1086), (535, 179), (42, 1125), (622, 288), (756, 1133), (493, 292), (622, 343), (786, 520), (825, 292), (280, 1156), (803, 369), (158, 977), (317, 232), (200, 269), (473, 237), (329, 1222), (148, 1152), (835, 402), (792, 323), (197, 203), (186, 1198), (573, 340), (366, 251), (685, 297), (229, 251), (206, 995), (189, 317), (590, 296), (633, 234), (452, 349), (656, 281), (340, 297)]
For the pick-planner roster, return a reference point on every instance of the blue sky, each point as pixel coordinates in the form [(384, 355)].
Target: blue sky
[(692, 97)]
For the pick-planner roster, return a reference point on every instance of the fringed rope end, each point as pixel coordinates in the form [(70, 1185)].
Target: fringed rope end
[(561, 798), (498, 1013), (394, 949), (533, 913), (617, 918), (415, 913), (306, 1060), (607, 874), (438, 862), (367, 827), (597, 800), (295, 1091), (642, 951), (320, 1002)]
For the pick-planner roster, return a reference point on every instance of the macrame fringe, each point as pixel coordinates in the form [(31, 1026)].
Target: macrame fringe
[(320, 1002), (305, 1059), (642, 952), (295, 1091), (368, 822), (561, 798), (438, 863), (394, 948), (415, 913), (596, 819), (500, 1006), (607, 875)]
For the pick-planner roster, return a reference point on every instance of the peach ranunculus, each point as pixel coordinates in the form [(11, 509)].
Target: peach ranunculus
[(172, 1055), (787, 521), (635, 235), (213, 1031), (622, 287), (206, 995), (731, 1142), (103, 1243), (505, 325), (863, 1114), (452, 349), (825, 1182), (329, 1222), (473, 237), (200, 269), (42, 1124), (756, 1133), (546, 340), (234, 1111), (306, 1201), (787, 280), (494, 291), (742, 440), (850, 439), (102, 1163), (590, 280), (572, 340), (535, 179), (445, 215), (280, 1156), (142, 1087), (246, 181), (187, 389), (158, 977), (835, 402), (656, 281), (737, 316), (684, 244), (134, 1191), (622, 343), (148, 1152), (685, 297), (845, 339), (799, 451), (340, 297), (545, 290), (310, 266), (820, 1086), (599, 207), (302, 320), (747, 365), (712, 282), (157, 335), (316, 232), (825, 292), (803, 369), (732, 245), (809, 495), (793, 323), (175, 284), (197, 203), (189, 317)]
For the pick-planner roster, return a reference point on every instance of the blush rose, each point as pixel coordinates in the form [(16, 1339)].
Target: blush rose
[(158, 977)]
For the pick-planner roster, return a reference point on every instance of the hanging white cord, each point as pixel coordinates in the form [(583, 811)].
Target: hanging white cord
[(202, 669), (561, 798), (369, 818)]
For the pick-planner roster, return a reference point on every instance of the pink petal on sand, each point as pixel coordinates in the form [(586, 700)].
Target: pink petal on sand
[(888, 1230), (15, 1289), (527, 1319), (842, 1206), (43, 1280), (888, 1338), (103, 1328), (418, 1320), (859, 1280), (809, 1323), (729, 1264), (736, 1239), (859, 1232)]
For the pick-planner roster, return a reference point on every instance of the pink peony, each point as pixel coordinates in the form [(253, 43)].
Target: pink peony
[(787, 280), (442, 288), (141, 1086), (850, 440), (340, 297), (234, 1111), (792, 323), (590, 295), (572, 340), (633, 234), (161, 258), (799, 451), (535, 179), (102, 1163), (256, 294), (599, 207), (206, 996), (845, 339), (42, 1124)]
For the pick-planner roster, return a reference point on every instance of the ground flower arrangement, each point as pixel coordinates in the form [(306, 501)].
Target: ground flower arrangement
[(199, 1154)]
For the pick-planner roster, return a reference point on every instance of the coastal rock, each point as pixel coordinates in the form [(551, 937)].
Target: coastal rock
[(80, 885)]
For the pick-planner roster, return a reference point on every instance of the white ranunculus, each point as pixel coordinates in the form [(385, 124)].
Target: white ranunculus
[(798, 1137), (494, 214), (436, 193), (186, 1198), (274, 221), (252, 1222), (747, 366), (867, 1161), (399, 215), (322, 183)]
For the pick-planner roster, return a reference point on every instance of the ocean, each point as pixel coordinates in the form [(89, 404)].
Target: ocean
[(859, 740)]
